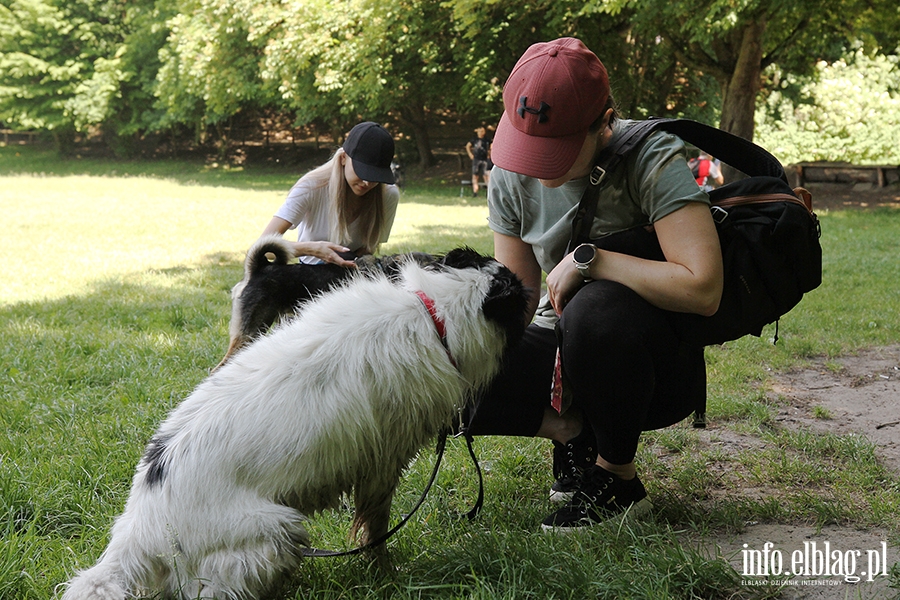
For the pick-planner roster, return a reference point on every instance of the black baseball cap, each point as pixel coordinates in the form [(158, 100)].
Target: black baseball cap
[(371, 148)]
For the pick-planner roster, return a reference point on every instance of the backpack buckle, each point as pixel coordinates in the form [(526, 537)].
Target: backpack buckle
[(598, 174), (719, 214)]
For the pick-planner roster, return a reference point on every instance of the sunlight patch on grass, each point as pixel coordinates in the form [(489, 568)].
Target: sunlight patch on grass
[(62, 234)]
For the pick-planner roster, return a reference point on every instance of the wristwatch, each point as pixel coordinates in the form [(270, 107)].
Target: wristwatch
[(583, 257)]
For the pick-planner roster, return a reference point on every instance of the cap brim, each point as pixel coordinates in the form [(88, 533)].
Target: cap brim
[(370, 173), (532, 155)]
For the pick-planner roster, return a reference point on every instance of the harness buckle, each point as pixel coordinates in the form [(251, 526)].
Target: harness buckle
[(719, 214)]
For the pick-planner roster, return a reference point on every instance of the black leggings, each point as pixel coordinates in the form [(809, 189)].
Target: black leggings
[(627, 370)]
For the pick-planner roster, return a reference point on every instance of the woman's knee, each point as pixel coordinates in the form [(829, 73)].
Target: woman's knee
[(606, 312)]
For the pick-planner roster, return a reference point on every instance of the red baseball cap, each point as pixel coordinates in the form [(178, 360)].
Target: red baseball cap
[(554, 93)]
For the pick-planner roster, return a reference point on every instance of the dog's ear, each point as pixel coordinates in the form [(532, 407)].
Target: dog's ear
[(465, 258), (506, 303)]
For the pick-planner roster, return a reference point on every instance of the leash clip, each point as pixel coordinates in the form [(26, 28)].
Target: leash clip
[(461, 428)]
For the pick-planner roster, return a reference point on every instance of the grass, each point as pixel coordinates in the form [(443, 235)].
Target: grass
[(114, 305)]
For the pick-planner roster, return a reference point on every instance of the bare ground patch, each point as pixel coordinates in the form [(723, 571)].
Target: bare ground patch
[(853, 394), (850, 395)]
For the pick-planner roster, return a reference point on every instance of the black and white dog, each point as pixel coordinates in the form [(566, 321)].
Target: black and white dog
[(271, 290), (337, 400)]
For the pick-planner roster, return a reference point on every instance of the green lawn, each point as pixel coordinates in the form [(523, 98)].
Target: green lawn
[(114, 304)]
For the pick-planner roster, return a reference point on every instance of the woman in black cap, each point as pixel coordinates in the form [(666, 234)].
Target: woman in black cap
[(347, 204)]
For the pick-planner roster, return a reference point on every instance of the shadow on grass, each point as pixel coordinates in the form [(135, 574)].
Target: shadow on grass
[(135, 314), (86, 378), (30, 160), (269, 175)]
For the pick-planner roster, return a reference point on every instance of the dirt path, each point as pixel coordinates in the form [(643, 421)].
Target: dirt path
[(852, 394), (857, 394)]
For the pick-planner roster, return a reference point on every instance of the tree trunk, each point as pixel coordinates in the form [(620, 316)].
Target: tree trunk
[(739, 101), (741, 89), (414, 116)]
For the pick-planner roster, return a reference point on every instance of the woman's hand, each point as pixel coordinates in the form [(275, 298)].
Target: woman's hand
[(323, 250), (562, 283), (326, 251)]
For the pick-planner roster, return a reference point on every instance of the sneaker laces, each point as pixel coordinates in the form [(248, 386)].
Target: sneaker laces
[(594, 482), (574, 460)]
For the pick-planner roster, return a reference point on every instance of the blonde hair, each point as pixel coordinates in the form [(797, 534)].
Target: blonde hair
[(331, 174)]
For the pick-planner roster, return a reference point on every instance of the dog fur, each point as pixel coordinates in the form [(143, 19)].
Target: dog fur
[(337, 400), (271, 290)]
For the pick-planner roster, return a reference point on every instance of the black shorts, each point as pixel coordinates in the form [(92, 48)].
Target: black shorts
[(480, 167)]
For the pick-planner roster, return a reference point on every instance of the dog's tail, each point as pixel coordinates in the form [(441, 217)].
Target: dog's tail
[(256, 259), (272, 244), (103, 581)]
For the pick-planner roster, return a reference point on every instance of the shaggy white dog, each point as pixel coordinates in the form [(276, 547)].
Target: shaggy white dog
[(338, 400)]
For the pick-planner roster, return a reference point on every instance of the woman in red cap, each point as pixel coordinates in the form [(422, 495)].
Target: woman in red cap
[(601, 334), (347, 204)]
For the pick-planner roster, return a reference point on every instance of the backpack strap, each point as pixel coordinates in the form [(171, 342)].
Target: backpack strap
[(608, 160), (741, 154)]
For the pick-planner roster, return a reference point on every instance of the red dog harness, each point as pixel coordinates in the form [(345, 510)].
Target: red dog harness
[(438, 322)]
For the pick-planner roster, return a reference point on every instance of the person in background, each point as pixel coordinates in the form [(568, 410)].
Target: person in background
[(479, 150), (709, 172), (601, 363), (346, 205)]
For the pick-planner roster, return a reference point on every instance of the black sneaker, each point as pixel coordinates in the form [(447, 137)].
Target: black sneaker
[(602, 496), (569, 462)]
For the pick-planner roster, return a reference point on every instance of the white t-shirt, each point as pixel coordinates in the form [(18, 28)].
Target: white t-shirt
[(306, 209)]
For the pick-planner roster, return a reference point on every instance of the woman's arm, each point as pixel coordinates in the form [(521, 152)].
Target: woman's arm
[(323, 250), (519, 258), (690, 279)]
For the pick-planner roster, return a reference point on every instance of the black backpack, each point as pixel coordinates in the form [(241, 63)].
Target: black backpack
[(768, 233)]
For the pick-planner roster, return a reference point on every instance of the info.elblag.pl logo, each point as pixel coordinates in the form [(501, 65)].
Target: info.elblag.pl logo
[(816, 560)]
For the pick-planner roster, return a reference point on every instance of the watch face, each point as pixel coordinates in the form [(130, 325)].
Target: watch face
[(584, 253)]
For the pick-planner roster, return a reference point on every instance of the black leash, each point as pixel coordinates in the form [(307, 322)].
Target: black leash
[(480, 501), (439, 451)]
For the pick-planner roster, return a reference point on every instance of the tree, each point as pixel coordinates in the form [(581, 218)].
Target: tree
[(131, 110), (849, 110), (210, 68), (646, 78), (367, 59), (736, 40), (303, 55), (65, 65)]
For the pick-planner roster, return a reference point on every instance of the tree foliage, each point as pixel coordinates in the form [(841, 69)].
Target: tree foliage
[(736, 40), (69, 65), (209, 67), (127, 68), (848, 110), (365, 59)]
